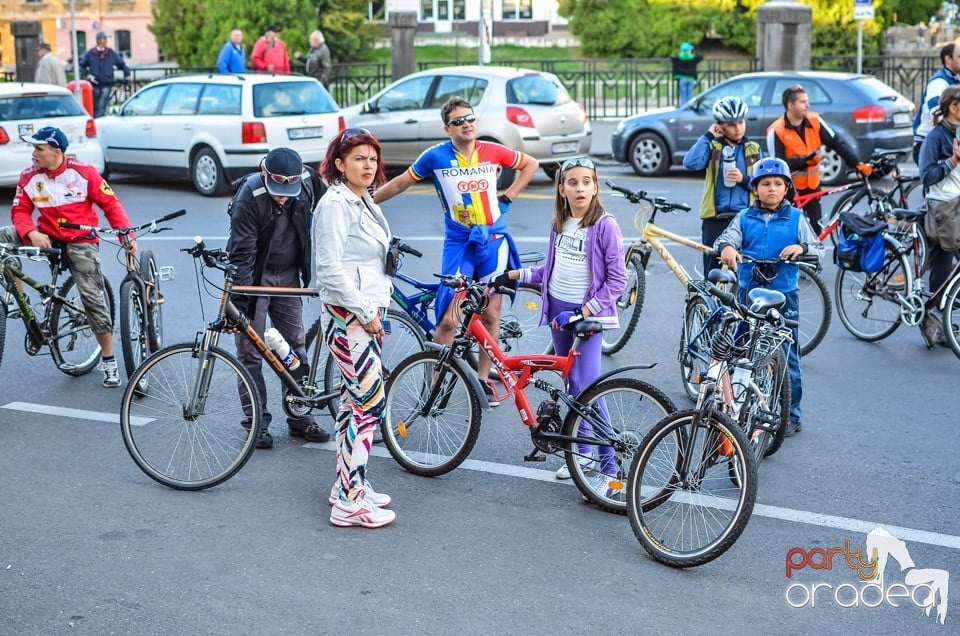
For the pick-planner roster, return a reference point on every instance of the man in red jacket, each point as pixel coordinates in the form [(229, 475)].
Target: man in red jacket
[(62, 188), (270, 53)]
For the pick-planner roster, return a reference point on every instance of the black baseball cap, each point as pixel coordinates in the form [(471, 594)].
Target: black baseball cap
[(284, 169), (47, 135), (272, 27)]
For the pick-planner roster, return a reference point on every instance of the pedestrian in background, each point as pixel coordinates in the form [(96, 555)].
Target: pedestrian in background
[(232, 58), (352, 237), (947, 75), (49, 68), (270, 53), (97, 66), (269, 244), (728, 157), (685, 71), (318, 58)]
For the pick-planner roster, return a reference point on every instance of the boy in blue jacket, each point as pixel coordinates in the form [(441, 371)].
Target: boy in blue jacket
[(772, 228), (728, 157)]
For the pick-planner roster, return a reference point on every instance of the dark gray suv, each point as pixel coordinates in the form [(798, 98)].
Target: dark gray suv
[(865, 112)]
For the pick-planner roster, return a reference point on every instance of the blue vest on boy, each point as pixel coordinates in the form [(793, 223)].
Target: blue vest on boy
[(765, 236)]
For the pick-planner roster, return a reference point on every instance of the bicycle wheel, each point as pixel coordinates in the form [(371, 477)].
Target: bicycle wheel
[(196, 451), (73, 345), (629, 306), (625, 409), (816, 309), (869, 304), (683, 507), (520, 330), (766, 411), (694, 352), (438, 440), (150, 274), (3, 325), (133, 329), (951, 316), (326, 377)]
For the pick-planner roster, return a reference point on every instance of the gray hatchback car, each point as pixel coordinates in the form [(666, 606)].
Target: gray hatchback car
[(865, 112)]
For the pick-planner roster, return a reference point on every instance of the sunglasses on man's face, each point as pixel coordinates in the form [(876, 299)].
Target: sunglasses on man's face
[(279, 178), (460, 121)]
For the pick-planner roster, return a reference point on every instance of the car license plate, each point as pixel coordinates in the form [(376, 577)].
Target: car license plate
[(563, 147), (902, 119), (305, 133)]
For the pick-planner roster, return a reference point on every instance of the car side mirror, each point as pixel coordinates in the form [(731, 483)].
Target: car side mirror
[(368, 108)]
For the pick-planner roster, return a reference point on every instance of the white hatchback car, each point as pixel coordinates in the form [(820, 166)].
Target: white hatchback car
[(215, 128), (529, 111), (26, 107)]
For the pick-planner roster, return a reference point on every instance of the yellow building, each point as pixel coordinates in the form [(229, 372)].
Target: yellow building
[(125, 22)]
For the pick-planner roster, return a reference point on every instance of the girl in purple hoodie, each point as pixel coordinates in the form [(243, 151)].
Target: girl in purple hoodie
[(584, 273)]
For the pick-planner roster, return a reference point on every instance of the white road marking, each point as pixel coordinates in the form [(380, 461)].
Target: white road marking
[(80, 414), (858, 526)]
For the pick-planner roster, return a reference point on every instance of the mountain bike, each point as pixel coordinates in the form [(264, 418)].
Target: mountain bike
[(814, 297), (435, 403), (141, 302), (58, 321), (872, 305), (186, 432), (692, 484)]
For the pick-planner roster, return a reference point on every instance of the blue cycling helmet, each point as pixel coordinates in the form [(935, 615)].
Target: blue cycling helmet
[(771, 167)]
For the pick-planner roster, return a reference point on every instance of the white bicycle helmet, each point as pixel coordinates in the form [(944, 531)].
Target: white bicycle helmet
[(728, 109)]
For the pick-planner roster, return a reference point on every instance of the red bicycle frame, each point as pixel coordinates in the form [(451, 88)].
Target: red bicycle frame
[(516, 372)]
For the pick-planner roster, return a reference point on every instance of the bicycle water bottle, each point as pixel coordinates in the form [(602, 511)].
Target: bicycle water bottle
[(740, 382), (287, 356), (728, 164)]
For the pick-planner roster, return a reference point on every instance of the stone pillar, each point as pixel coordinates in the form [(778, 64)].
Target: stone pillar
[(26, 40), (403, 29), (784, 35)]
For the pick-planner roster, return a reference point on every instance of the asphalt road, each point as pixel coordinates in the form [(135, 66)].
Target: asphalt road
[(90, 545)]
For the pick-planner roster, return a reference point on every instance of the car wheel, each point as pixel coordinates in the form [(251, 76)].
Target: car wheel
[(551, 169), (207, 174), (832, 168), (649, 156)]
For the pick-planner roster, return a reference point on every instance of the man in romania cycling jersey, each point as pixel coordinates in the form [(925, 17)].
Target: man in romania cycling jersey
[(477, 244)]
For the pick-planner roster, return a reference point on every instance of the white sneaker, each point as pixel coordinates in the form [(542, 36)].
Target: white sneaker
[(111, 374), (586, 464), (379, 499), (360, 513), (606, 486)]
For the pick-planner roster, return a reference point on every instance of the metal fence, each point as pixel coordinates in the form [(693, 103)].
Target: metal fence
[(608, 89)]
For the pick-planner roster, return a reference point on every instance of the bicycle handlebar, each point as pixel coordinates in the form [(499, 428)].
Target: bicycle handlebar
[(659, 203), (29, 250), (122, 231), (406, 249), (216, 258), (775, 318)]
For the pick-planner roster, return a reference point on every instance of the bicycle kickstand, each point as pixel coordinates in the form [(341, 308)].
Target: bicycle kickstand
[(534, 456)]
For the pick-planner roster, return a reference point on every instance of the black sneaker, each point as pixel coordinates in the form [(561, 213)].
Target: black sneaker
[(311, 432), (491, 398), (793, 428), (264, 440)]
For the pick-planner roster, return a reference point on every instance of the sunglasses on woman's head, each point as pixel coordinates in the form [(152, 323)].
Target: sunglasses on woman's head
[(577, 161), (350, 133), (460, 121)]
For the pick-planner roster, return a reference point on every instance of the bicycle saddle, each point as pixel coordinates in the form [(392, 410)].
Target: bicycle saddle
[(722, 276), (763, 300), (588, 327), (907, 215)]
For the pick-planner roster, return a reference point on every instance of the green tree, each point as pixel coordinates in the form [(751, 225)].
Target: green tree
[(193, 31)]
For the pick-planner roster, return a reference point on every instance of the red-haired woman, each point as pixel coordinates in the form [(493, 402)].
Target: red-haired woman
[(351, 238)]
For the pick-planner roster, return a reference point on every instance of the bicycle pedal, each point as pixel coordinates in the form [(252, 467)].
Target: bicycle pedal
[(166, 272)]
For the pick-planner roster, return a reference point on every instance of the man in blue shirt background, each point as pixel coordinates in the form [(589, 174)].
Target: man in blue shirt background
[(232, 59)]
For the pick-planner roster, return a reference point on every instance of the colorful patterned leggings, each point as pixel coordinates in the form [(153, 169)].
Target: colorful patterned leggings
[(361, 395)]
